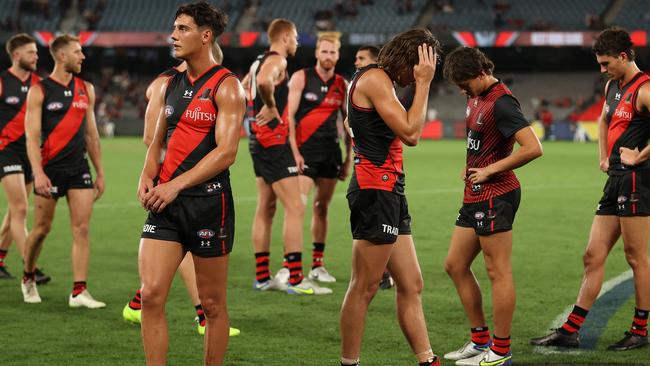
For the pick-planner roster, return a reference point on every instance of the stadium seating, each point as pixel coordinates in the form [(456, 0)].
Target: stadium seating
[(635, 14)]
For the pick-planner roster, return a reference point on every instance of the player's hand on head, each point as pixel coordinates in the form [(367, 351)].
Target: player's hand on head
[(267, 115), (100, 185), (42, 185), (424, 71), (629, 156)]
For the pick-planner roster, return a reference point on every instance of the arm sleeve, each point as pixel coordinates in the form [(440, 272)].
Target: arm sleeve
[(508, 116)]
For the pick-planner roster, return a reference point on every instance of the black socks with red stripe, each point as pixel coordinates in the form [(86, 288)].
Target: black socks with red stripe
[(480, 335), (574, 321), (78, 287), (294, 263), (136, 302), (200, 314), (262, 273), (640, 323), (317, 255), (500, 346)]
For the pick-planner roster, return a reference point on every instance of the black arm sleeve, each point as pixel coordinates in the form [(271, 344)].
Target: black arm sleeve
[(508, 116)]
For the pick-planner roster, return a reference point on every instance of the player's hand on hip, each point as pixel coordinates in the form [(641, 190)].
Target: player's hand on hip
[(604, 164), (267, 115), (628, 156), (478, 175), (42, 185), (160, 196), (144, 186), (424, 71), (100, 185)]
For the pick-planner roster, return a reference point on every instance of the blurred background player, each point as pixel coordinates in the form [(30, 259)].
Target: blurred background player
[(365, 56), (132, 310), (378, 125), (60, 128), (316, 96), (15, 171), (275, 168), (188, 196), (491, 199), (624, 209)]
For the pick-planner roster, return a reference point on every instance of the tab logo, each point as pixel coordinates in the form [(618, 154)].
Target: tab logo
[(148, 228), (390, 229)]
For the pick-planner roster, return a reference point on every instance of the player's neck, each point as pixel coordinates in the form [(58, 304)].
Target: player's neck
[(197, 67), (279, 49), (60, 75), (324, 74), (630, 72), (19, 72)]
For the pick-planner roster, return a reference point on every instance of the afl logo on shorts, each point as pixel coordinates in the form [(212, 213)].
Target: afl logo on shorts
[(479, 215), (311, 97), (384, 177), (12, 100), (205, 233), (54, 106), (169, 110)]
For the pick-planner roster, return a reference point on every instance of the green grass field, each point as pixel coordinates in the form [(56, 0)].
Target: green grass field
[(559, 197)]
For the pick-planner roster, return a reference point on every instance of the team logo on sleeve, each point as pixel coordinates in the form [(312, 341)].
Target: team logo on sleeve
[(12, 100)]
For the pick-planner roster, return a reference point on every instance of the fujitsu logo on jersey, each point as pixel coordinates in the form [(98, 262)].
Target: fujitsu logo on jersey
[(473, 141), (81, 104), (621, 113), (196, 115)]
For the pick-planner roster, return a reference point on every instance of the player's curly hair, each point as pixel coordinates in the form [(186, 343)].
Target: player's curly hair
[(401, 52), (612, 41), (205, 15), (465, 63)]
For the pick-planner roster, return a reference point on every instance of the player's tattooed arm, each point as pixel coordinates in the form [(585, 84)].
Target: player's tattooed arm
[(92, 142), (636, 157), (33, 120), (270, 73)]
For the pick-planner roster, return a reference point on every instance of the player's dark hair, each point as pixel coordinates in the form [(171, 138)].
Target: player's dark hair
[(205, 15), (465, 63), (401, 52), (61, 41), (613, 41), (18, 41), (373, 51)]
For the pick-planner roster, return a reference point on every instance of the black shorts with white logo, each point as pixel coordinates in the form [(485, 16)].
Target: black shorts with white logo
[(203, 225), (378, 216), (64, 180), (15, 163), (490, 216), (274, 163), (626, 193), (326, 164)]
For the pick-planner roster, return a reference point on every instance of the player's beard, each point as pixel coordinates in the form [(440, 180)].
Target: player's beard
[(27, 66), (72, 68), (327, 65)]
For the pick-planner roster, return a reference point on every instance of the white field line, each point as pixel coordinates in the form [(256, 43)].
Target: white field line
[(561, 318)]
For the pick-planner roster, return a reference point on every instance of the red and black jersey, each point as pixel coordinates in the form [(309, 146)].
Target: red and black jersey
[(275, 132), (12, 110), (627, 127), (63, 131), (320, 101), (191, 122), (492, 120), (378, 151)]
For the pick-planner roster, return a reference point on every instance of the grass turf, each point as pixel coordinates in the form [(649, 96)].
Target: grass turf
[(559, 197)]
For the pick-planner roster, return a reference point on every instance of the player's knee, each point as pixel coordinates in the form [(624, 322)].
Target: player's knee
[(635, 258), (80, 230), (295, 208), (19, 211), (213, 307), (454, 269), (367, 289), (40, 230), (498, 273), (321, 208), (593, 260), (411, 287), (152, 297)]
